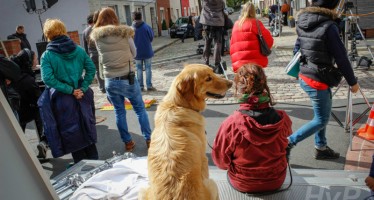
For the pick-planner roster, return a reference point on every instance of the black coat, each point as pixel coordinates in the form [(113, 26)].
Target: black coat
[(24, 42)]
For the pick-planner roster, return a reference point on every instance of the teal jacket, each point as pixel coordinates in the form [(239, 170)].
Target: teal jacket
[(62, 66)]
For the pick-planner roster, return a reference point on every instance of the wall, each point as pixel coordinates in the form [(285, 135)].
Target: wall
[(165, 6), (185, 7), (12, 47), (12, 13), (175, 9), (135, 5)]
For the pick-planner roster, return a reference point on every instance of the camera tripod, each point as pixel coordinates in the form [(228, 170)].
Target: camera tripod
[(351, 26)]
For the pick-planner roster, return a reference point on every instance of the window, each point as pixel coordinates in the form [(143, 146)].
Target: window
[(115, 8), (162, 14), (177, 13)]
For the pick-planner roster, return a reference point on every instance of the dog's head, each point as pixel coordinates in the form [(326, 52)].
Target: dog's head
[(194, 84)]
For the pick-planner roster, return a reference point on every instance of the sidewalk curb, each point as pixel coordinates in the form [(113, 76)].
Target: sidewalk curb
[(165, 45)]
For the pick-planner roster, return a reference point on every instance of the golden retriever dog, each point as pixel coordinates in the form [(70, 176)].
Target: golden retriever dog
[(177, 163)]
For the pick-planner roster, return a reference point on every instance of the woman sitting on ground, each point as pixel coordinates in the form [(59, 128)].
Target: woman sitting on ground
[(251, 143)]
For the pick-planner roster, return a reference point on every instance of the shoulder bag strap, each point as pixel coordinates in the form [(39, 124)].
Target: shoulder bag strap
[(258, 28)]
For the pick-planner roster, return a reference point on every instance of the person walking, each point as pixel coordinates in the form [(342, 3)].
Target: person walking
[(251, 143), (320, 45), (244, 44), (116, 49), (212, 19), (67, 104), (20, 34), (143, 42), (91, 50), (190, 28), (285, 9)]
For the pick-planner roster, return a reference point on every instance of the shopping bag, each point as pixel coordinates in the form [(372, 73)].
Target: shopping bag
[(293, 66)]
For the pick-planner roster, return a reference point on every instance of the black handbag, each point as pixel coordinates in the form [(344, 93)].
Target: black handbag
[(330, 75), (264, 49)]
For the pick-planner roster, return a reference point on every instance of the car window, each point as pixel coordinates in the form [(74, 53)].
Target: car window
[(178, 21), (184, 20)]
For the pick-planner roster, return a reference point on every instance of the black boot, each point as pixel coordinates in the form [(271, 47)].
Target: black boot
[(218, 69)]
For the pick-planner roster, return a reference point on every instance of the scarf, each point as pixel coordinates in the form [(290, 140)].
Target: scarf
[(255, 101)]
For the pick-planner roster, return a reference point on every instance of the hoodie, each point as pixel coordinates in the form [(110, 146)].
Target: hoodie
[(253, 154), (62, 66), (143, 40)]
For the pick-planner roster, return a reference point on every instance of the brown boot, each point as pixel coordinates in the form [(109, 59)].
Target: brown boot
[(148, 143), (129, 146)]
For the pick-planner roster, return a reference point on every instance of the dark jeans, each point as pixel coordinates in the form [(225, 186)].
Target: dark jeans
[(38, 126), (213, 34), (89, 152), (285, 14), (189, 30)]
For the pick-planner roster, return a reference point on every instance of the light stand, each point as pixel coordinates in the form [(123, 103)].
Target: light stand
[(349, 121), (38, 11)]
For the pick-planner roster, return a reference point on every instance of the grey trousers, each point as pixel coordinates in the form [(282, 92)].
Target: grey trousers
[(213, 34)]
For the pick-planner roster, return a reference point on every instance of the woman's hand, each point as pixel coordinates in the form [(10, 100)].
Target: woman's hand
[(355, 88), (78, 93)]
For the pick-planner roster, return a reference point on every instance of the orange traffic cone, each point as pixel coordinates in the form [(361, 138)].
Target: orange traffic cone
[(367, 131)]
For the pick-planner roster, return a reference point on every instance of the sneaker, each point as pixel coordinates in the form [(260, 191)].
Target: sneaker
[(148, 143), (129, 146), (288, 151), (151, 89), (326, 154), (42, 148)]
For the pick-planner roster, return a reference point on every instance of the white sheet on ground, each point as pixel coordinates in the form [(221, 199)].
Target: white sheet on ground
[(123, 181)]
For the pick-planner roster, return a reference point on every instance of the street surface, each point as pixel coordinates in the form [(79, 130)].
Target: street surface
[(284, 88)]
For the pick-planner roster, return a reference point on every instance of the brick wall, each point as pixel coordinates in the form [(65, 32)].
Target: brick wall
[(166, 5), (12, 46), (74, 35)]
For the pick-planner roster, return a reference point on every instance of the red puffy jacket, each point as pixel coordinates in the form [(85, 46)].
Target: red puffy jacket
[(244, 44)]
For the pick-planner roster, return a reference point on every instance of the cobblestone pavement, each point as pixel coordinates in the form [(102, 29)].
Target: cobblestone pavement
[(283, 87)]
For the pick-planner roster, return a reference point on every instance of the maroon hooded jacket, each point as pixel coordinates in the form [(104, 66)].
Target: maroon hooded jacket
[(253, 154)]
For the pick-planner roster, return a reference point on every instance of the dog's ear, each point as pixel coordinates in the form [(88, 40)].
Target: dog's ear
[(186, 87)]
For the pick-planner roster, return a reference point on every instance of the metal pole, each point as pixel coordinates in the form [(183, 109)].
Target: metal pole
[(41, 25)]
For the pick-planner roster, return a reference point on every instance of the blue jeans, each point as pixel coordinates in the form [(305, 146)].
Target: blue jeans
[(321, 102), (117, 90), (148, 72)]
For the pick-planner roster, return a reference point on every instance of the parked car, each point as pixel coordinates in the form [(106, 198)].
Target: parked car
[(179, 27), (229, 10)]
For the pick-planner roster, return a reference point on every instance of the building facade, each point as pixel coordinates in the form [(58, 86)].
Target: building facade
[(13, 13), (124, 10)]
